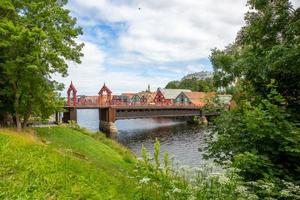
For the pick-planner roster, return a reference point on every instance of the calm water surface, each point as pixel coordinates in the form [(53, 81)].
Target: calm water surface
[(181, 140)]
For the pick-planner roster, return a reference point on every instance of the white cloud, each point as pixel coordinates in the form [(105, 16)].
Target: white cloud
[(85, 74), (195, 68), (159, 32), (89, 76), (296, 3), (169, 30), (120, 82)]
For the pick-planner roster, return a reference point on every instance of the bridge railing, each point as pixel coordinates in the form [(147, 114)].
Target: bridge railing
[(130, 104)]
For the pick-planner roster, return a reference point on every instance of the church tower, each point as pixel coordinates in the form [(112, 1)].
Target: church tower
[(148, 90)]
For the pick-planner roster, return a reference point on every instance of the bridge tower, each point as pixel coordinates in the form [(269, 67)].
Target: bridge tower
[(104, 95), (71, 111), (74, 91)]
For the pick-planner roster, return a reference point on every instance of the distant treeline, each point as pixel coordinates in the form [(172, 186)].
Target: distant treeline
[(193, 84)]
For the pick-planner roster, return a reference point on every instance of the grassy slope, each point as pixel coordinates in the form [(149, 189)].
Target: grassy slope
[(66, 165)]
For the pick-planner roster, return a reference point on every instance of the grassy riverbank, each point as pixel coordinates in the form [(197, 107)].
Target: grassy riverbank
[(71, 163), (63, 163)]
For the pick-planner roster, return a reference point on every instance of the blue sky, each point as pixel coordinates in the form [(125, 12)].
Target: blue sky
[(132, 43)]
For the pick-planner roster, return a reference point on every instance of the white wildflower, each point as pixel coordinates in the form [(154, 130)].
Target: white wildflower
[(176, 190), (192, 198), (241, 189), (285, 193), (167, 194), (224, 179), (145, 180)]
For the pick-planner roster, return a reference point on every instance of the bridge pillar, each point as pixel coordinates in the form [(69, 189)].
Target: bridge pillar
[(204, 119), (70, 115), (107, 118), (58, 117)]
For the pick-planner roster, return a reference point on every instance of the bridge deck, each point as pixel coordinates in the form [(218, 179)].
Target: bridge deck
[(131, 107)]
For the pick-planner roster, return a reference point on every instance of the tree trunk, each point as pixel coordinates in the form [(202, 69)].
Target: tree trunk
[(18, 123), (27, 115), (17, 114)]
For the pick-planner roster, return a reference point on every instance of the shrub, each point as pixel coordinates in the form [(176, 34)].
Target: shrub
[(185, 182), (261, 142)]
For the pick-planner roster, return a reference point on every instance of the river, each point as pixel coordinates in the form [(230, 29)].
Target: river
[(181, 140)]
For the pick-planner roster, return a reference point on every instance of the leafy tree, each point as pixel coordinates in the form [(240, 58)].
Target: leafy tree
[(261, 136), (172, 85), (193, 84), (259, 141), (37, 37), (267, 48)]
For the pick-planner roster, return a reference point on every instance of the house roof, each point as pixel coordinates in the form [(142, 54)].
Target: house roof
[(172, 93), (136, 95), (196, 98), (148, 95), (129, 95), (91, 98), (211, 94)]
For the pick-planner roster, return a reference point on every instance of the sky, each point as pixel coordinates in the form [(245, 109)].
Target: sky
[(132, 43)]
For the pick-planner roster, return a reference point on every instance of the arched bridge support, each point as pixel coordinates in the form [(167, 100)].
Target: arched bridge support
[(70, 115), (107, 118)]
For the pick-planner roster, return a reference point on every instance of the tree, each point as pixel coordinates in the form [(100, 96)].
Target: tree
[(261, 136), (193, 84), (267, 48), (172, 85), (36, 40)]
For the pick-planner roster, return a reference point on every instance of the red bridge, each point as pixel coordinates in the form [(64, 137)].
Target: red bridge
[(112, 109)]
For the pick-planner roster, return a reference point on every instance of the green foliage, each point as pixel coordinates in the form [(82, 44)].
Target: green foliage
[(213, 105), (156, 153), (185, 182), (193, 84), (36, 40), (261, 136), (63, 163), (259, 140), (266, 49), (173, 85)]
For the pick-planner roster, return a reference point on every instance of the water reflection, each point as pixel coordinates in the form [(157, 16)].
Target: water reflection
[(178, 138)]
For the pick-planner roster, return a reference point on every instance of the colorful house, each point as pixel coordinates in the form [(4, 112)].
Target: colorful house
[(88, 100), (191, 98), (167, 96), (147, 97), (127, 97), (136, 99), (159, 97)]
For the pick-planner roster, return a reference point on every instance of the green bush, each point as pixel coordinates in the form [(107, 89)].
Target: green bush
[(185, 182), (260, 142)]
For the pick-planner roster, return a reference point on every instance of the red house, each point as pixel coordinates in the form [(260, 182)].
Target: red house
[(159, 97), (167, 96)]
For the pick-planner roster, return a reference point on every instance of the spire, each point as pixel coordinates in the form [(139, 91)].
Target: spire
[(72, 87), (104, 88)]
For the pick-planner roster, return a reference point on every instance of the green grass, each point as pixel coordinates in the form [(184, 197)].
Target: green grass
[(63, 163)]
